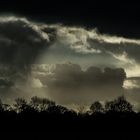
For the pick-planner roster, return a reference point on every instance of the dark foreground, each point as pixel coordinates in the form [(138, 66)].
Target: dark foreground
[(43, 115), (70, 122)]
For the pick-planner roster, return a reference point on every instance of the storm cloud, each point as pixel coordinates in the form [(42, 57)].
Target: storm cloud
[(68, 64), (21, 42), (68, 83)]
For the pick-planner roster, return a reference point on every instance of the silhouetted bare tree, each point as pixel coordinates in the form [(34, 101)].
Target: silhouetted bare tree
[(7, 107), (97, 107), (41, 104), (44, 112), (58, 109), (81, 109), (119, 105), (21, 105)]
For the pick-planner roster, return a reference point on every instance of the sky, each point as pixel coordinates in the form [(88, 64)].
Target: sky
[(72, 53)]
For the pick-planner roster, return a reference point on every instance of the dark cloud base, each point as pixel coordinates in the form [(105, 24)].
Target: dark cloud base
[(70, 84)]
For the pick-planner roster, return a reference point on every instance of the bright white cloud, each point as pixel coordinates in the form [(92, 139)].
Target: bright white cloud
[(131, 84), (36, 83), (132, 68)]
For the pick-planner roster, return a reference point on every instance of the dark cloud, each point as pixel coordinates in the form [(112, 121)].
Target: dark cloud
[(24, 43), (70, 84), (5, 83), (20, 42)]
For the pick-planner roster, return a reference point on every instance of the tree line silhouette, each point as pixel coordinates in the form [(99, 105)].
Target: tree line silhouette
[(44, 114), (38, 105)]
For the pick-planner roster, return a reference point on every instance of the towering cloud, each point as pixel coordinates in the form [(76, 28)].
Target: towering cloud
[(66, 63), (68, 83)]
